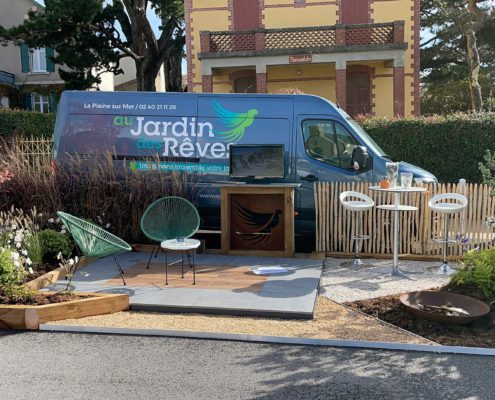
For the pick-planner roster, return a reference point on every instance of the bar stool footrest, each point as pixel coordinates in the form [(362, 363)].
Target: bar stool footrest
[(361, 237), (443, 241)]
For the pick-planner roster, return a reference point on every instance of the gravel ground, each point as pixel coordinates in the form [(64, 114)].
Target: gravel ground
[(333, 321), (345, 284)]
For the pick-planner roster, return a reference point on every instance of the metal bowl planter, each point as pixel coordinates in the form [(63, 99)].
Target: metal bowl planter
[(415, 302)]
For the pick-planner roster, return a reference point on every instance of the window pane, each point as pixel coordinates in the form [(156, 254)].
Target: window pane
[(42, 53), (319, 141), (38, 60), (346, 145), (39, 103)]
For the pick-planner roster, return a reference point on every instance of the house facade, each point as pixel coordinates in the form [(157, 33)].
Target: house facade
[(28, 77), (361, 54)]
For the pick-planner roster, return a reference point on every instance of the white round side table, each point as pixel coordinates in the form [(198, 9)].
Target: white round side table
[(188, 246)]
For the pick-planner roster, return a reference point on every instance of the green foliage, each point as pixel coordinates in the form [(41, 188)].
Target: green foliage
[(478, 270), (34, 249), (452, 95), (16, 294), (444, 62), (53, 243), (449, 147), (26, 123), (9, 273), (487, 170), (93, 35)]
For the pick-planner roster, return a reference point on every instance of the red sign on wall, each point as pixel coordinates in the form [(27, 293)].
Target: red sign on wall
[(306, 58)]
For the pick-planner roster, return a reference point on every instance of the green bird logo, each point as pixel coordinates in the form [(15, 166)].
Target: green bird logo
[(237, 122)]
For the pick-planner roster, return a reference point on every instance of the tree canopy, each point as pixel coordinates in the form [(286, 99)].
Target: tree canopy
[(447, 67), (92, 36)]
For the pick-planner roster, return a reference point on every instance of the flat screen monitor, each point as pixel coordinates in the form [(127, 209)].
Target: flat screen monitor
[(257, 161)]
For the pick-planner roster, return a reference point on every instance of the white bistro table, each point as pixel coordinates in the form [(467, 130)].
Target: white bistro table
[(188, 246), (396, 208)]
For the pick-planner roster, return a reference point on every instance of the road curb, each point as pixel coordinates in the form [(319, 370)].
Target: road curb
[(272, 339)]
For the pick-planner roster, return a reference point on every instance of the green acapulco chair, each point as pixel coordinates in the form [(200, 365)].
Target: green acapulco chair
[(168, 218), (93, 241)]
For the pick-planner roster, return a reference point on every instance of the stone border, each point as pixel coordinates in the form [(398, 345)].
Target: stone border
[(437, 349)]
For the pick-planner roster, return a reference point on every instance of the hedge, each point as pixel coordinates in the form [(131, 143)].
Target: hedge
[(26, 123), (450, 147)]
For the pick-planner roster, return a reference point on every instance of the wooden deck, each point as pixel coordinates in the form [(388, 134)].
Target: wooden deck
[(239, 278)]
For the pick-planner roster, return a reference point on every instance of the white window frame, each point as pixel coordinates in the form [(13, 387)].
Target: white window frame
[(40, 103), (37, 60)]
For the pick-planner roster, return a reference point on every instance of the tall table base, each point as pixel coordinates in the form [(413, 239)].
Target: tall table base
[(397, 208)]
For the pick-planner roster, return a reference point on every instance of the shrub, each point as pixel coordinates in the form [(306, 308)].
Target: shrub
[(94, 192), (34, 248), (26, 123), (9, 272), (450, 147), (478, 270), (487, 170), (15, 294), (53, 243)]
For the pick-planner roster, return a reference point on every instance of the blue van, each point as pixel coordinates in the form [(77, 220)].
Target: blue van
[(192, 133)]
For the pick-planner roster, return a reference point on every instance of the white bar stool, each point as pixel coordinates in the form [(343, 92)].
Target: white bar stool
[(447, 203), (363, 203)]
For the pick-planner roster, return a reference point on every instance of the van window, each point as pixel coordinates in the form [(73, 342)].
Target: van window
[(346, 145), (329, 142)]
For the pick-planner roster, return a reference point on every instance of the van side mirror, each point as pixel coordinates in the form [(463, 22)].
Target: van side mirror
[(361, 159)]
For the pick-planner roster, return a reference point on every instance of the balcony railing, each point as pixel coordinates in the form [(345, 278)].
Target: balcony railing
[(302, 38), (7, 78)]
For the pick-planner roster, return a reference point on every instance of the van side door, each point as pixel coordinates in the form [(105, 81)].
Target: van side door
[(323, 150)]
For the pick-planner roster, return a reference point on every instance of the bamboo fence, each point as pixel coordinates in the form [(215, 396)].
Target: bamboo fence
[(35, 152), (418, 229)]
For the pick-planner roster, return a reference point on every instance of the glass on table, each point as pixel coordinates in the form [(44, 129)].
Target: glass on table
[(406, 180)]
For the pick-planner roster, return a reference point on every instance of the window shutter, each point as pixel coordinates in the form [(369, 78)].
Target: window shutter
[(25, 57), (26, 101), (246, 14), (50, 65), (52, 102)]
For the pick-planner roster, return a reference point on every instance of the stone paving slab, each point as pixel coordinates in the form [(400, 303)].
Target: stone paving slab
[(285, 295), (345, 284)]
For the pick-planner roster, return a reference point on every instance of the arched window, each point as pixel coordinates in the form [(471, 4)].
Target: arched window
[(243, 81), (358, 92)]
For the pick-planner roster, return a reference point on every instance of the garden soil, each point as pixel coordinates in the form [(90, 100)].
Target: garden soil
[(480, 333)]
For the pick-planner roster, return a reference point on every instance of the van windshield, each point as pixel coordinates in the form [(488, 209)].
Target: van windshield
[(368, 141)]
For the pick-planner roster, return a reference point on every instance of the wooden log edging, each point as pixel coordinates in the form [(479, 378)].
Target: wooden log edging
[(53, 276), (31, 316)]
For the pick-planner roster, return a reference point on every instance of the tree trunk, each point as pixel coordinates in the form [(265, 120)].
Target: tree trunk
[(173, 73), (474, 69), (145, 77)]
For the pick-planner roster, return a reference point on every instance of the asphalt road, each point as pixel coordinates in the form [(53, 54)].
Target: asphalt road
[(41, 365)]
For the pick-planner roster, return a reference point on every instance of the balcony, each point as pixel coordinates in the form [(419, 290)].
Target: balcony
[(321, 39), (6, 78)]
